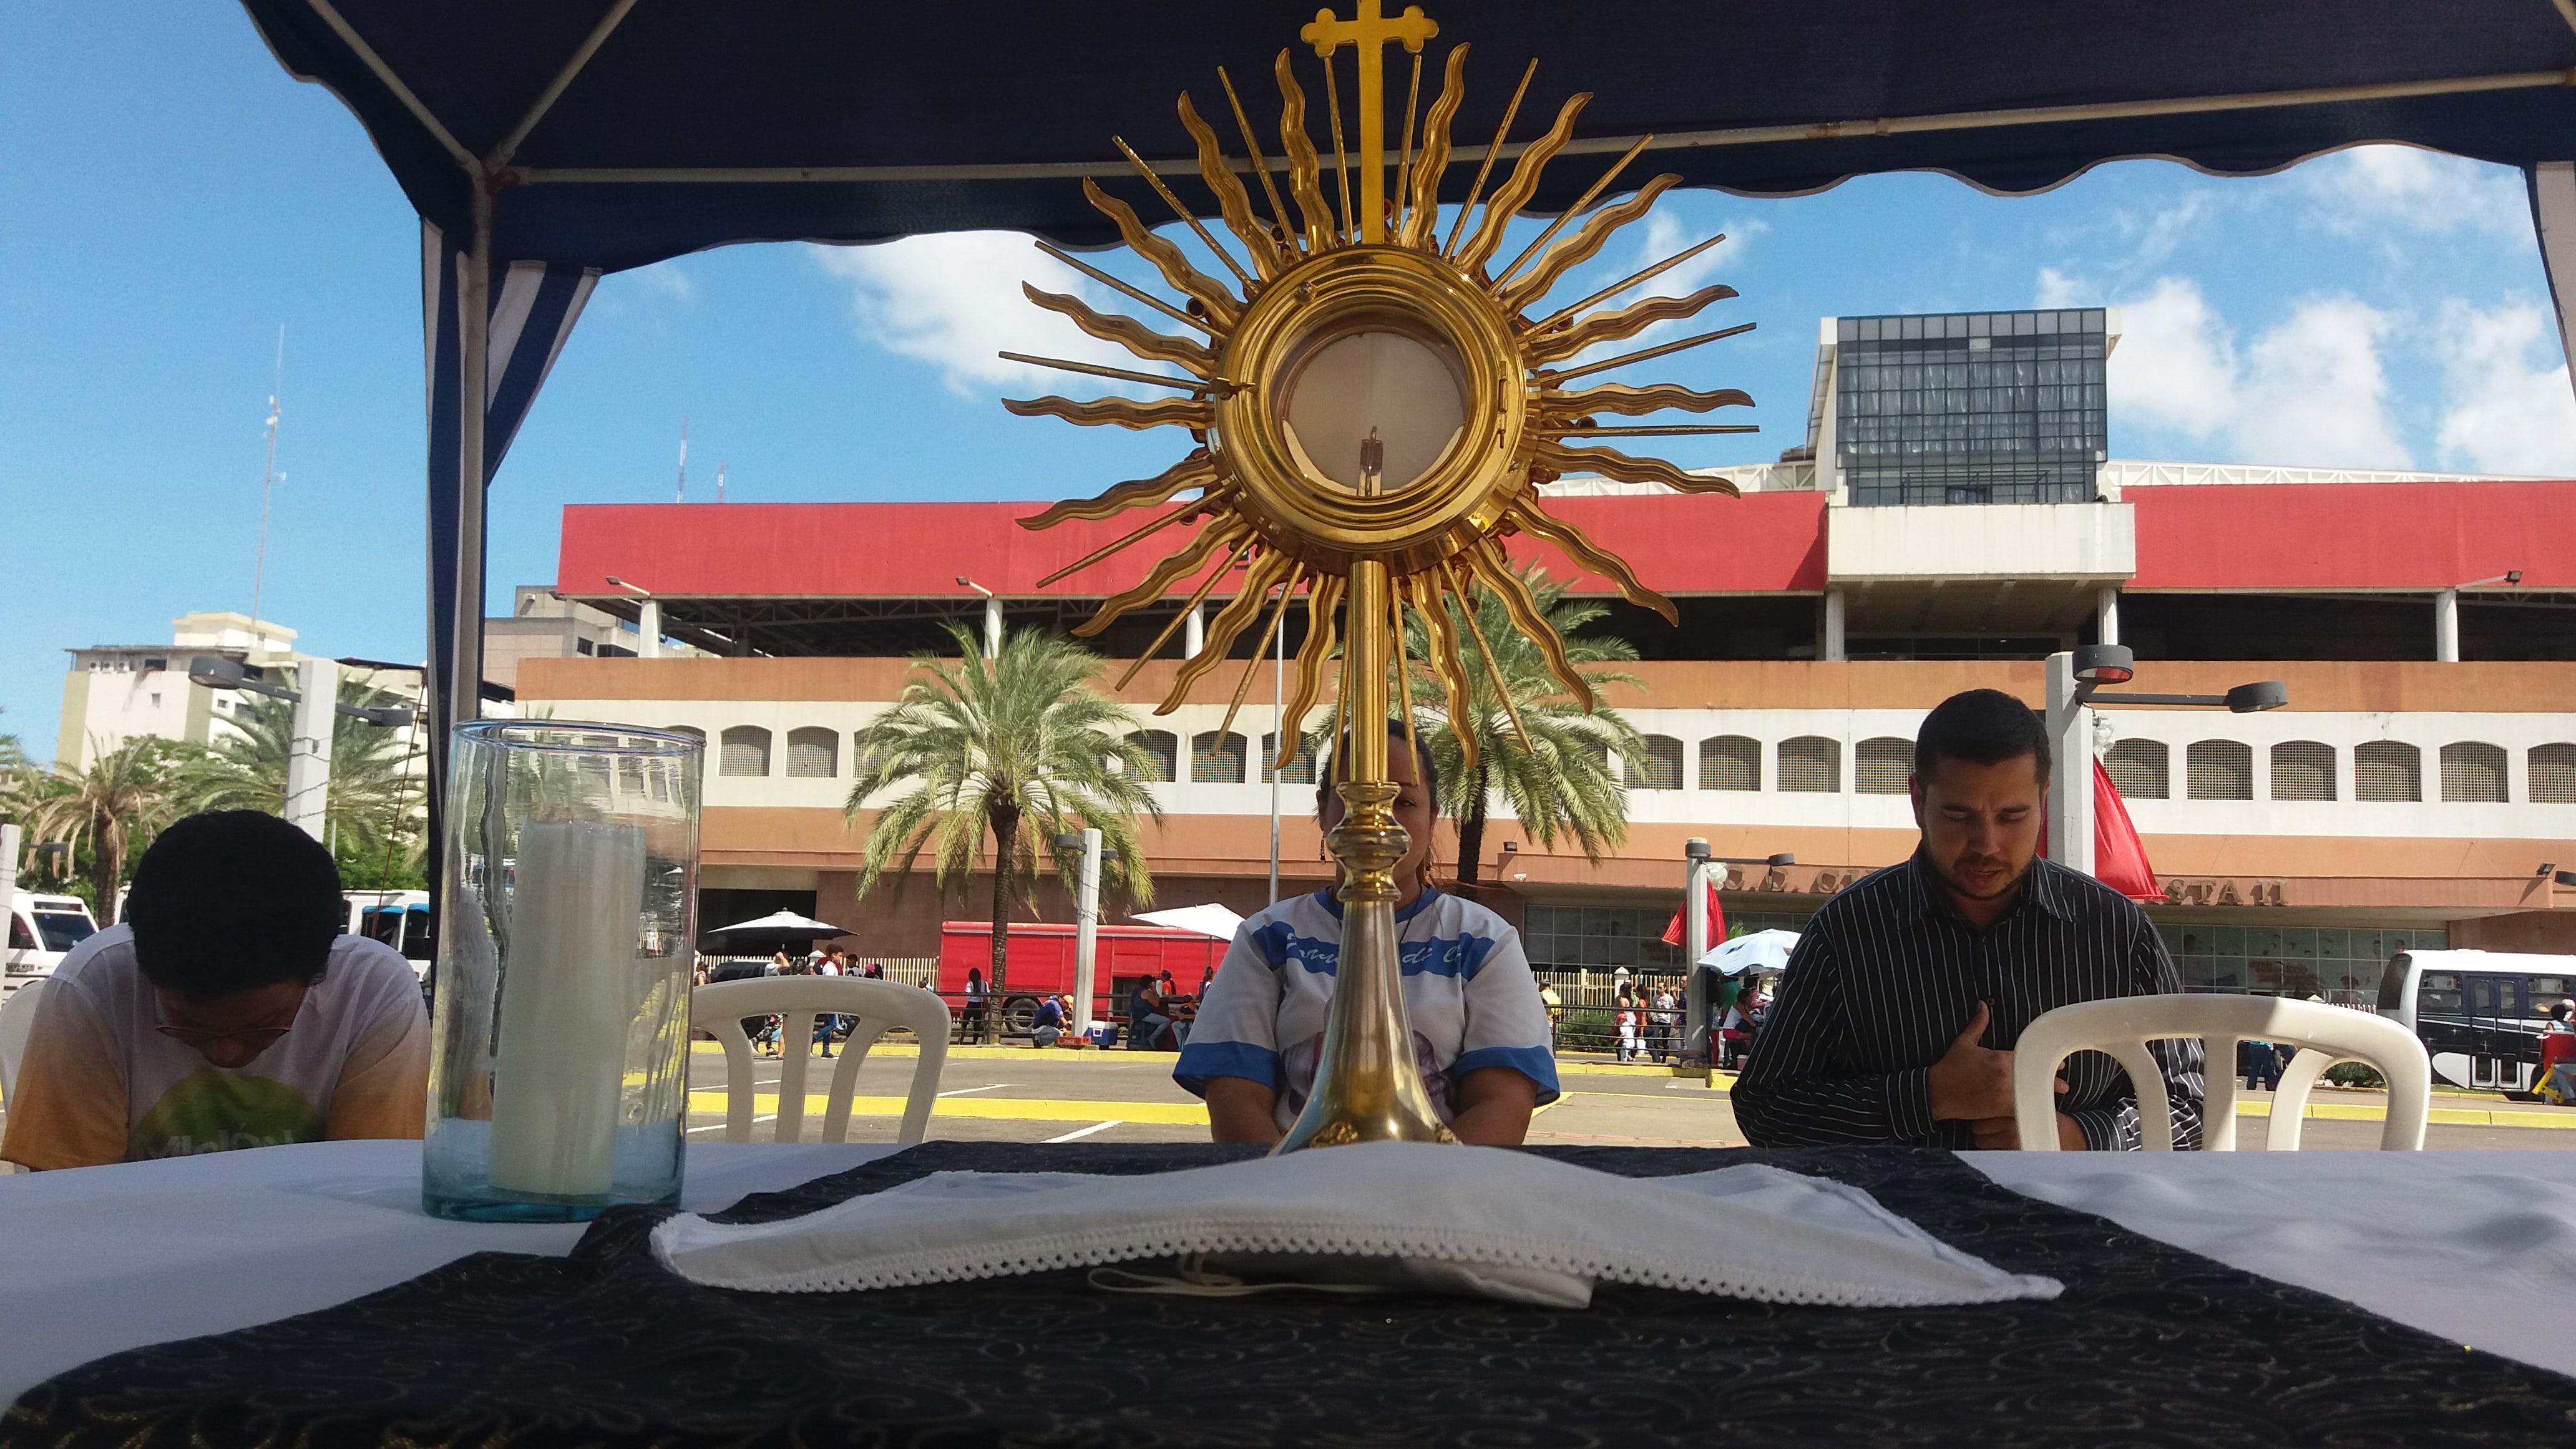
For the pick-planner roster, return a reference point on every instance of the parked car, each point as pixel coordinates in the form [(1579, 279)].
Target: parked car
[(42, 931)]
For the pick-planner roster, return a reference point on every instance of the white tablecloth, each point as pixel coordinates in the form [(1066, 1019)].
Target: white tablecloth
[(2477, 1246), (100, 1259)]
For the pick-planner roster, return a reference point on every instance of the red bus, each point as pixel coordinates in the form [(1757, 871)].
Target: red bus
[(1041, 964)]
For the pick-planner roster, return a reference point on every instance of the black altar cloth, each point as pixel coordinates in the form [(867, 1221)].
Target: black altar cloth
[(2148, 1345)]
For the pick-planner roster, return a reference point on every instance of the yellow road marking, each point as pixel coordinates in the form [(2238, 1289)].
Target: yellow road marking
[(1012, 1109), (2452, 1116)]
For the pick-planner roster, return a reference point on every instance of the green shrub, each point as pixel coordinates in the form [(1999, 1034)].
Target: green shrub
[(2354, 1074)]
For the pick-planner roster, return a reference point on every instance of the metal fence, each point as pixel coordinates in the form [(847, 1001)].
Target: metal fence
[(1588, 1018)]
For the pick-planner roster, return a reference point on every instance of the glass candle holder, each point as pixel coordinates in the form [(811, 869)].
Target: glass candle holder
[(558, 1076)]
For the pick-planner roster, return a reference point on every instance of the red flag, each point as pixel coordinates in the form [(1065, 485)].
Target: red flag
[(2119, 857), (1673, 935)]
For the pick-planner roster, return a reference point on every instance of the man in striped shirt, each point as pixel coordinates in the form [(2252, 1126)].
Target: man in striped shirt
[(1896, 1018)]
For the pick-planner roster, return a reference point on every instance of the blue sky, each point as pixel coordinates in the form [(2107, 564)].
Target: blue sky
[(172, 198)]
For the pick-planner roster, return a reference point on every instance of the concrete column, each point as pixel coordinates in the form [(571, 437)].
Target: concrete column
[(648, 629), (308, 753), (1194, 632), (2070, 792), (1831, 646), (992, 626), (1086, 932), (2446, 626), (1696, 875), (8, 887), (2106, 615)]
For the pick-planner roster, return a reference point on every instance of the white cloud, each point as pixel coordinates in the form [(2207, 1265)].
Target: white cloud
[(666, 279), (2378, 188), (953, 300), (2502, 414), (2309, 392), (2056, 289), (2175, 366), (2314, 393)]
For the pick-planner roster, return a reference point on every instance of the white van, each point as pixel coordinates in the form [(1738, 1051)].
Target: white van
[(42, 931)]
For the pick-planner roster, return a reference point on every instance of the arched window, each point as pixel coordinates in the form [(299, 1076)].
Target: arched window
[(1813, 764), (2387, 770), (1300, 769), (863, 762), (1661, 766), (2219, 770), (2303, 770), (692, 731), (1730, 762), (745, 751), (2552, 778), (1880, 766), (2140, 769), (1217, 759), (1162, 754), (813, 753), (2474, 773)]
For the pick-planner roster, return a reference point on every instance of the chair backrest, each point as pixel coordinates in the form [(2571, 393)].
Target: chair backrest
[(17, 1023), (875, 1007), (2121, 1026)]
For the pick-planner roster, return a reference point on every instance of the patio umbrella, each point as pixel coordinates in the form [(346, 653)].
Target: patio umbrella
[(1757, 951), (1208, 920), (777, 929)]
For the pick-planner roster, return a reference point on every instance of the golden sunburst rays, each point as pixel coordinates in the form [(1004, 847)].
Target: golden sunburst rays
[(1260, 514)]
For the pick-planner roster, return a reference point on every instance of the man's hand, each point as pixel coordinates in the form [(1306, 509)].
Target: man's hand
[(2004, 1133), (1971, 1083)]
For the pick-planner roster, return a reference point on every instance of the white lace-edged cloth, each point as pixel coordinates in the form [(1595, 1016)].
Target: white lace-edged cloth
[(1470, 1220)]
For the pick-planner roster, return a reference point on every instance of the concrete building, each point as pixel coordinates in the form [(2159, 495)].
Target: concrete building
[(1949, 522), (119, 692)]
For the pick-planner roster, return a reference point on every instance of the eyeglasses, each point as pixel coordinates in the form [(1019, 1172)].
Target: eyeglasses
[(255, 1038)]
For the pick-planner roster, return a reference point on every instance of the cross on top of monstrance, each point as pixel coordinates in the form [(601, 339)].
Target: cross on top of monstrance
[(1376, 411), (1370, 30)]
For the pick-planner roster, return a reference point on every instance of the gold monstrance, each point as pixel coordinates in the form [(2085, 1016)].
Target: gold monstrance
[(1376, 414)]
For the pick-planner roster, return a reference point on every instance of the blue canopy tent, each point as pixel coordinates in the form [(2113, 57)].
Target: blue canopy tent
[(545, 144)]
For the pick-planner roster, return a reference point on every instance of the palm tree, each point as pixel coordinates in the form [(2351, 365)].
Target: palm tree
[(123, 796), (371, 791), (1558, 778), (1020, 747)]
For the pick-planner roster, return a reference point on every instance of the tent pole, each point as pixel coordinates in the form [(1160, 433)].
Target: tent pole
[(599, 34), (464, 699), (2553, 216)]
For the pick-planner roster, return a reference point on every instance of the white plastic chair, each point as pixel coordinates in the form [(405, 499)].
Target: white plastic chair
[(875, 1008), (17, 1023), (2121, 1026)]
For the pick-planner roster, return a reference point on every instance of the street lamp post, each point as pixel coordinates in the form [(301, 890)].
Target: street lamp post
[(1086, 922), (2446, 614), (1696, 865), (2075, 682), (992, 616), (648, 619), (308, 748)]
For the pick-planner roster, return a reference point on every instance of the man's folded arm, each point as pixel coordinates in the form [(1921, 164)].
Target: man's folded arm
[(1795, 1092)]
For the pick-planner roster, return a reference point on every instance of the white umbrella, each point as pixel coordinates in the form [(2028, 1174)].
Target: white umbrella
[(784, 924), (1208, 920), (1758, 951)]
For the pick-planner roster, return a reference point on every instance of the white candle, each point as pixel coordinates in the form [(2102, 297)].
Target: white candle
[(566, 1002)]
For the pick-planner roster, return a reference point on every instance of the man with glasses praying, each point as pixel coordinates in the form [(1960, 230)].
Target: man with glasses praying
[(227, 1011)]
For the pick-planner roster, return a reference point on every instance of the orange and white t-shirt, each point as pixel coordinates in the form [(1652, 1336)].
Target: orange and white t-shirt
[(99, 1084)]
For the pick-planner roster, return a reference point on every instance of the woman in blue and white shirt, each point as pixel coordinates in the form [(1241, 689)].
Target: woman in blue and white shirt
[(1480, 1031)]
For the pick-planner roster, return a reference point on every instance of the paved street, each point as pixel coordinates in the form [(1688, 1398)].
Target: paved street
[(1021, 1095)]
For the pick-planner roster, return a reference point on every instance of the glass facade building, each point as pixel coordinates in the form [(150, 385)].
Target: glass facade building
[(1971, 407)]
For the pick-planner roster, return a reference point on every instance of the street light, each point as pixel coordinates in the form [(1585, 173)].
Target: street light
[(1697, 862), (2446, 614), (2075, 683), (1086, 921), (992, 616), (316, 698), (648, 622)]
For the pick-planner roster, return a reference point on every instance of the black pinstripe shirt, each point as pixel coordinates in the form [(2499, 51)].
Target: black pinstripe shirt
[(1888, 974)]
